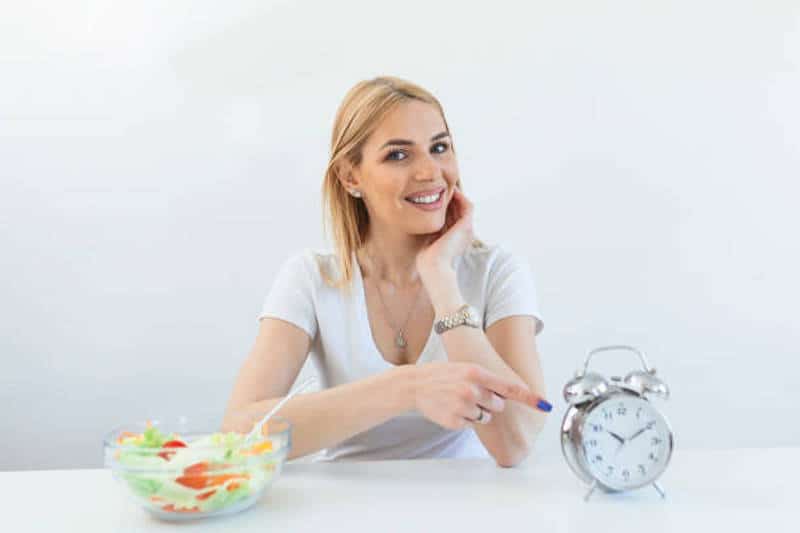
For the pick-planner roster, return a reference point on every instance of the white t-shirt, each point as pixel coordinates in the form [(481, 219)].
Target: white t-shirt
[(496, 282)]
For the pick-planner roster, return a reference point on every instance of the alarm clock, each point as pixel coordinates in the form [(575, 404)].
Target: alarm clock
[(612, 436)]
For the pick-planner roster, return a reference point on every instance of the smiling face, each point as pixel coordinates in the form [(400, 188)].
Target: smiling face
[(408, 170)]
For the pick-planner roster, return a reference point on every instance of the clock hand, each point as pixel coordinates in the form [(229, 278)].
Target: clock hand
[(626, 441), (648, 426), (620, 439)]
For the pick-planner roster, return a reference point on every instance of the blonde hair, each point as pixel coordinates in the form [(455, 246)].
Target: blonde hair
[(363, 108)]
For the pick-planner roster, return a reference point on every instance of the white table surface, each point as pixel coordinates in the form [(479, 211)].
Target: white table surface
[(709, 491)]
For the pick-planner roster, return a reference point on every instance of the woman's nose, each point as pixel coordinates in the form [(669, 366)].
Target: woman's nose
[(428, 170)]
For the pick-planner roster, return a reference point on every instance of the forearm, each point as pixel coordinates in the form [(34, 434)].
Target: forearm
[(326, 418), (510, 434)]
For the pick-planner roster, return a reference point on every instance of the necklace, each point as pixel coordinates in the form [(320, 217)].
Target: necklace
[(399, 340)]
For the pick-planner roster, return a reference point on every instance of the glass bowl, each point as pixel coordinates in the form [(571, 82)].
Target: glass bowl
[(180, 468)]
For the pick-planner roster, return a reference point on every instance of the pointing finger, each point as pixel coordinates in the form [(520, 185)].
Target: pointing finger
[(512, 391)]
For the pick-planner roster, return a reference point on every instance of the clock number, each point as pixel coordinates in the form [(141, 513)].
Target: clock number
[(593, 442), (653, 457), (626, 475), (642, 469), (610, 470), (651, 424), (598, 459), (621, 410), (656, 441), (597, 428), (638, 413), (607, 415)]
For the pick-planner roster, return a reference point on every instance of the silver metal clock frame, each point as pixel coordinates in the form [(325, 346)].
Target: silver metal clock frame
[(572, 428)]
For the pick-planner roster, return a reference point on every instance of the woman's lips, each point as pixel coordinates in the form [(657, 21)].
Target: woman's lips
[(432, 206), (428, 192)]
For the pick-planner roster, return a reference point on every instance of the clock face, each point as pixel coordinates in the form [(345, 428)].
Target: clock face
[(626, 442)]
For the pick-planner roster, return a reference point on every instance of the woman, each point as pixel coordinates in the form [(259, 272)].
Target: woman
[(407, 371)]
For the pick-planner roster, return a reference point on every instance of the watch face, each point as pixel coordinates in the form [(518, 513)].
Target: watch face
[(626, 442)]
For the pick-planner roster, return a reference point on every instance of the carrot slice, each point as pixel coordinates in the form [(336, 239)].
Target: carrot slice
[(206, 495), (221, 479), (261, 447), (124, 435), (172, 509)]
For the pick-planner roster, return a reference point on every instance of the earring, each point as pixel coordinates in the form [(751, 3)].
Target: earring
[(355, 193)]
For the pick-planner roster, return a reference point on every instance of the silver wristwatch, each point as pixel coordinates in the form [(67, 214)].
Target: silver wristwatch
[(465, 315)]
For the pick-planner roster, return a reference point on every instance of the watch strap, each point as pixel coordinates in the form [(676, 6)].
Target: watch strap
[(463, 316)]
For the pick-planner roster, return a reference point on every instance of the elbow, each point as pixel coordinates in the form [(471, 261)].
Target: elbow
[(518, 446), (227, 426), (237, 419), (511, 459), (513, 452)]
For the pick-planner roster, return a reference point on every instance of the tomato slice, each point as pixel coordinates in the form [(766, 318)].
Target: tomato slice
[(196, 469), (171, 444), (193, 482), (194, 476)]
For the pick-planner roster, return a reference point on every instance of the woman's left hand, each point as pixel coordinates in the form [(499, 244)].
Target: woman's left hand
[(451, 241)]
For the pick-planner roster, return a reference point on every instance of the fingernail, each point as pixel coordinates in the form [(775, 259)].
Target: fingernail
[(544, 406)]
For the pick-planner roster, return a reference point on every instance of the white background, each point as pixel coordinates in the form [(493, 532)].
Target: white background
[(159, 160)]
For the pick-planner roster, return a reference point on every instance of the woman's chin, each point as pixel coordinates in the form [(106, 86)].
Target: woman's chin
[(428, 229), (427, 233), (424, 225)]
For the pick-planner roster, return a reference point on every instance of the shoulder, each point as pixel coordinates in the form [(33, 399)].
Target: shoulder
[(489, 260), (303, 263), (496, 269), (312, 265)]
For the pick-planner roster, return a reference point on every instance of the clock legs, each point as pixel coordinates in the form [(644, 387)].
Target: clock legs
[(591, 490), (594, 486)]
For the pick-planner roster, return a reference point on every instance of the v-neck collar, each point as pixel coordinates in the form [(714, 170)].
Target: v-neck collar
[(361, 304)]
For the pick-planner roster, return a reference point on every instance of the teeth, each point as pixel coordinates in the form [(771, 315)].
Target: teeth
[(425, 199)]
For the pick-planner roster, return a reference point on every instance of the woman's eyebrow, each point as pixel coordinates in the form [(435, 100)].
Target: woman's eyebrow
[(405, 142)]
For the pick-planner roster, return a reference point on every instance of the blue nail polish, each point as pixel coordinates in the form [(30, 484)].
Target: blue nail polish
[(544, 406)]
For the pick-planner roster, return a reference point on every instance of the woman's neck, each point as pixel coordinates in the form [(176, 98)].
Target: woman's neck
[(392, 257)]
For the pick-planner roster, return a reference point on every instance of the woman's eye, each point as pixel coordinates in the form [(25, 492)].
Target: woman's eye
[(444, 146), (390, 155)]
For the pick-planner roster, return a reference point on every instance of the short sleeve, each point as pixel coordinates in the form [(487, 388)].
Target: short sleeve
[(291, 296), (511, 290)]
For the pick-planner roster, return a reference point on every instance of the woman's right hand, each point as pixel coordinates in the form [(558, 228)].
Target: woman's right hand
[(452, 394)]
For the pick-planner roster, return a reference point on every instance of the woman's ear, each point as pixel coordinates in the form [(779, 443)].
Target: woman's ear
[(347, 176)]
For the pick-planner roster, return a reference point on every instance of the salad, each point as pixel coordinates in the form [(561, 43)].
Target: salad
[(211, 473)]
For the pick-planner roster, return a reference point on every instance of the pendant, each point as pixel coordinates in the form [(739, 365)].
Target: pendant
[(400, 341)]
